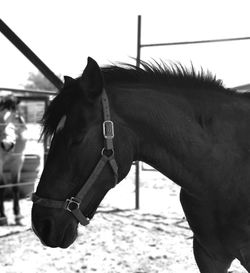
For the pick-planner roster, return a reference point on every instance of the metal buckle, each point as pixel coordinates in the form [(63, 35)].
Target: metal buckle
[(72, 204), (108, 129)]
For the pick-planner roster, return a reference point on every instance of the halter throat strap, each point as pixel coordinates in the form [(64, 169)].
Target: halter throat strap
[(107, 157)]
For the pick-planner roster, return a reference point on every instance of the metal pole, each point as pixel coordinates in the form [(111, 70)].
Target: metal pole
[(37, 92), (137, 163), (30, 55), (138, 56), (197, 42), (46, 139), (33, 58)]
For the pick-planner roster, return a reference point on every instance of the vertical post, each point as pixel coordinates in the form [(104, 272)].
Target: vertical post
[(137, 163), (137, 185), (46, 139), (138, 56)]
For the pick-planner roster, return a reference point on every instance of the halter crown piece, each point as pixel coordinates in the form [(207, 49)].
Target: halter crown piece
[(107, 156)]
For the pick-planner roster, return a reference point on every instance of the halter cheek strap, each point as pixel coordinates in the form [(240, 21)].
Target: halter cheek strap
[(107, 157)]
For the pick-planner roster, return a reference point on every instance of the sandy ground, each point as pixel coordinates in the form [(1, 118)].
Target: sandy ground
[(119, 239)]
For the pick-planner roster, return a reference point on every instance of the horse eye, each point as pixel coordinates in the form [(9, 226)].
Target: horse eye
[(77, 138), (75, 142)]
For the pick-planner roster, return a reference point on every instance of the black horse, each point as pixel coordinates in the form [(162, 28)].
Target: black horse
[(12, 145), (185, 124)]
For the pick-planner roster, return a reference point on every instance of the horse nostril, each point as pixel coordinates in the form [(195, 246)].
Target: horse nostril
[(7, 145)]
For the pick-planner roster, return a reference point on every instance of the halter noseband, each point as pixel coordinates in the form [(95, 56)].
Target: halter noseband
[(107, 156)]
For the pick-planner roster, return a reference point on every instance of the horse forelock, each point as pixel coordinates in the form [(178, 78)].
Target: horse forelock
[(60, 106)]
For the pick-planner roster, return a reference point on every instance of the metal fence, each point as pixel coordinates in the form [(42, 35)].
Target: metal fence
[(140, 46)]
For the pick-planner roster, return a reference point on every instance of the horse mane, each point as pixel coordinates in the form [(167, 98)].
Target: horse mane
[(149, 73), (160, 73)]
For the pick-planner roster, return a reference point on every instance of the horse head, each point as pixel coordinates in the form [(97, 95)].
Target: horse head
[(10, 122), (87, 157)]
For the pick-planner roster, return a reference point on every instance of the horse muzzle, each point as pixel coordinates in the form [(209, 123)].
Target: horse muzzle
[(53, 228)]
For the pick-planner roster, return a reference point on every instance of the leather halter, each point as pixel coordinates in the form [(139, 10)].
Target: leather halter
[(107, 156)]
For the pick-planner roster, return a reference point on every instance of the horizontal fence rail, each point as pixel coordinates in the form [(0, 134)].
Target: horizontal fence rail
[(196, 42), (17, 185), (30, 91)]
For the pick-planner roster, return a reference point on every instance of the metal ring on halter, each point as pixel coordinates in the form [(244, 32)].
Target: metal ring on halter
[(110, 152)]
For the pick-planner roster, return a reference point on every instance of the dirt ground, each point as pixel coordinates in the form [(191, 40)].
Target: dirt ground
[(119, 239)]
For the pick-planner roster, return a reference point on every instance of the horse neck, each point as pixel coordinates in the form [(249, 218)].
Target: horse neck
[(167, 135)]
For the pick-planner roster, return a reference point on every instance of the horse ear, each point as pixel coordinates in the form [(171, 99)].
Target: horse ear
[(68, 80), (92, 80)]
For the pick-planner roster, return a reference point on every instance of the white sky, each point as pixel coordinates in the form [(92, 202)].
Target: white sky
[(64, 33)]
